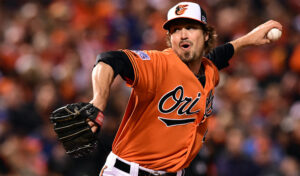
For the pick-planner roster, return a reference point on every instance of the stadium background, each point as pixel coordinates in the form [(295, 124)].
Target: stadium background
[(47, 52)]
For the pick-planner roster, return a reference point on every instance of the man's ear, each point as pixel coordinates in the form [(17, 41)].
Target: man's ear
[(168, 39), (206, 37), (168, 33)]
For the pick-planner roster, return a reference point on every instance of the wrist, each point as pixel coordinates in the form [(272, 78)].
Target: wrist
[(98, 104), (240, 43), (98, 115), (99, 118)]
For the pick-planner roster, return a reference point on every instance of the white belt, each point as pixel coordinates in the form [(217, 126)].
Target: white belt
[(133, 168)]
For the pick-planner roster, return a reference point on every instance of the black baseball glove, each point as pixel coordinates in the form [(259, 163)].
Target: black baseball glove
[(71, 126)]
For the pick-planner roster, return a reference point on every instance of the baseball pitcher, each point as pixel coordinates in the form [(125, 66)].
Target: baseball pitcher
[(165, 121)]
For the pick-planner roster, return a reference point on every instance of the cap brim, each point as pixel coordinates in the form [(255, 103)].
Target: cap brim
[(167, 23)]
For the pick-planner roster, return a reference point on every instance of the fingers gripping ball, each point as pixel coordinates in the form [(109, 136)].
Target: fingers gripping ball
[(274, 34), (71, 126)]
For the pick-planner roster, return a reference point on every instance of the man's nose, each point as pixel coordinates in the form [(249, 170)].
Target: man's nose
[(183, 33)]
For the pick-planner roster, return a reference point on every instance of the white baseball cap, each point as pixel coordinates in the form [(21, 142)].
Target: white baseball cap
[(188, 10)]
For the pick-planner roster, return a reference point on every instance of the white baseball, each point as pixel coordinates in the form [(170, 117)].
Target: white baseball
[(274, 34)]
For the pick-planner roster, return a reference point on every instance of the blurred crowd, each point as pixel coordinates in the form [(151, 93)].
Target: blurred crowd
[(48, 49)]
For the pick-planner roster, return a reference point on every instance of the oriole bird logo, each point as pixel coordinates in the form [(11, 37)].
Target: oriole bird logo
[(180, 9)]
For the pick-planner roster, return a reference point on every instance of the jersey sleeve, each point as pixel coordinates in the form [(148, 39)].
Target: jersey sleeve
[(119, 62), (145, 65), (221, 55)]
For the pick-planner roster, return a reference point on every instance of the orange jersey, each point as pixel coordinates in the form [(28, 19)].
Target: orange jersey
[(164, 125)]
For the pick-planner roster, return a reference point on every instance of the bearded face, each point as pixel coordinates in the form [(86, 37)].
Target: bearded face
[(187, 40)]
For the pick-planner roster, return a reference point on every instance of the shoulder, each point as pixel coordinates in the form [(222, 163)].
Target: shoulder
[(150, 54), (208, 62)]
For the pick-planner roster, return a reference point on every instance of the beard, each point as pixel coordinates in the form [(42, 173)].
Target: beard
[(191, 55), (187, 56)]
